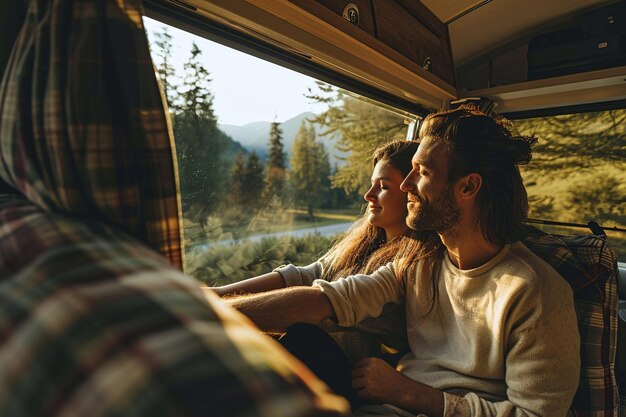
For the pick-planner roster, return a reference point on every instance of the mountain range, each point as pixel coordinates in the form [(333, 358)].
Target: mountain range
[(254, 136)]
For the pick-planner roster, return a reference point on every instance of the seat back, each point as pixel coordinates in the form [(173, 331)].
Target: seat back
[(589, 265)]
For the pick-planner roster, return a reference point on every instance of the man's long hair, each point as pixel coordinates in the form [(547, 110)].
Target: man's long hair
[(481, 144), (364, 249)]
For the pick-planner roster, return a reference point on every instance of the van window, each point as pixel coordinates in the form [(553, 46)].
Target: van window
[(578, 172), (273, 164)]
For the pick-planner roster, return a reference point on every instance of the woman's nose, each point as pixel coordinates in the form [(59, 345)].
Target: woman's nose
[(370, 195)]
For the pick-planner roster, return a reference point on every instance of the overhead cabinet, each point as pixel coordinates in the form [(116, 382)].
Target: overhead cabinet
[(402, 27)]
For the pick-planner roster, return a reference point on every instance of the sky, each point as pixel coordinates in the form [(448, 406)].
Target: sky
[(245, 89)]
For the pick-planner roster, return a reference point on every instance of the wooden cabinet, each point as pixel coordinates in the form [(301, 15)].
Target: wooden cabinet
[(411, 29), (393, 27), (343, 8)]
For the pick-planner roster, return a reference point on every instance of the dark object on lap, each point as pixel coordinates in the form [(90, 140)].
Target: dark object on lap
[(318, 351)]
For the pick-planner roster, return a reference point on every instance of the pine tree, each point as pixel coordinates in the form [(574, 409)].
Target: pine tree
[(205, 153), (337, 195), (309, 169), (253, 185), (323, 172), (237, 179), (200, 145), (197, 99), (276, 164), (165, 70)]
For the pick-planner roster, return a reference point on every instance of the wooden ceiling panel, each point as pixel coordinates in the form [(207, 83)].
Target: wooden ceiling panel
[(447, 10)]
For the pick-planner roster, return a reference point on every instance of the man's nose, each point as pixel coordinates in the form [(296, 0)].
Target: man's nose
[(410, 182)]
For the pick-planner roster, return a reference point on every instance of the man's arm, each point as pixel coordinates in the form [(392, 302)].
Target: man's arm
[(276, 310)]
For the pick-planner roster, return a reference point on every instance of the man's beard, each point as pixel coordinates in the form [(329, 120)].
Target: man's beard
[(438, 215)]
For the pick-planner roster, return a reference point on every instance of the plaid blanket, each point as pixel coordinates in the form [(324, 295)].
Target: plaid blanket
[(93, 323), (589, 264)]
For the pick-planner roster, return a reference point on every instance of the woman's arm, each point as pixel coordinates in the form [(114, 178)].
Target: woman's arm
[(289, 276), (261, 283)]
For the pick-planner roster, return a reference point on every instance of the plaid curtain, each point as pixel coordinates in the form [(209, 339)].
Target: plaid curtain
[(83, 128)]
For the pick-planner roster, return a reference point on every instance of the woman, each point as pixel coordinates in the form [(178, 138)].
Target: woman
[(378, 237)]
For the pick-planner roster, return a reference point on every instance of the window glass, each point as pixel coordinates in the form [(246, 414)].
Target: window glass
[(578, 172), (273, 164)]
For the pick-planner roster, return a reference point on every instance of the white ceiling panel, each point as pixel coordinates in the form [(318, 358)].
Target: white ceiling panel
[(499, 21)]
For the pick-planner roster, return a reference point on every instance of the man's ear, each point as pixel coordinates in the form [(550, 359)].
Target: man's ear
[(469, 185)]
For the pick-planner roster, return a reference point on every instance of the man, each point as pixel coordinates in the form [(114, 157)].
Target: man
[(492, 328)]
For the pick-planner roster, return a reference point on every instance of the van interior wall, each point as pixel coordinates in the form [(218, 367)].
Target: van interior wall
[(12, 15)]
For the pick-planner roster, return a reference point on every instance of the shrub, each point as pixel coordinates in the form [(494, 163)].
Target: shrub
[(222, 264)]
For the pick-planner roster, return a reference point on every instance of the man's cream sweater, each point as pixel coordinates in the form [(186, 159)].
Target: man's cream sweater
[(500, 340)]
